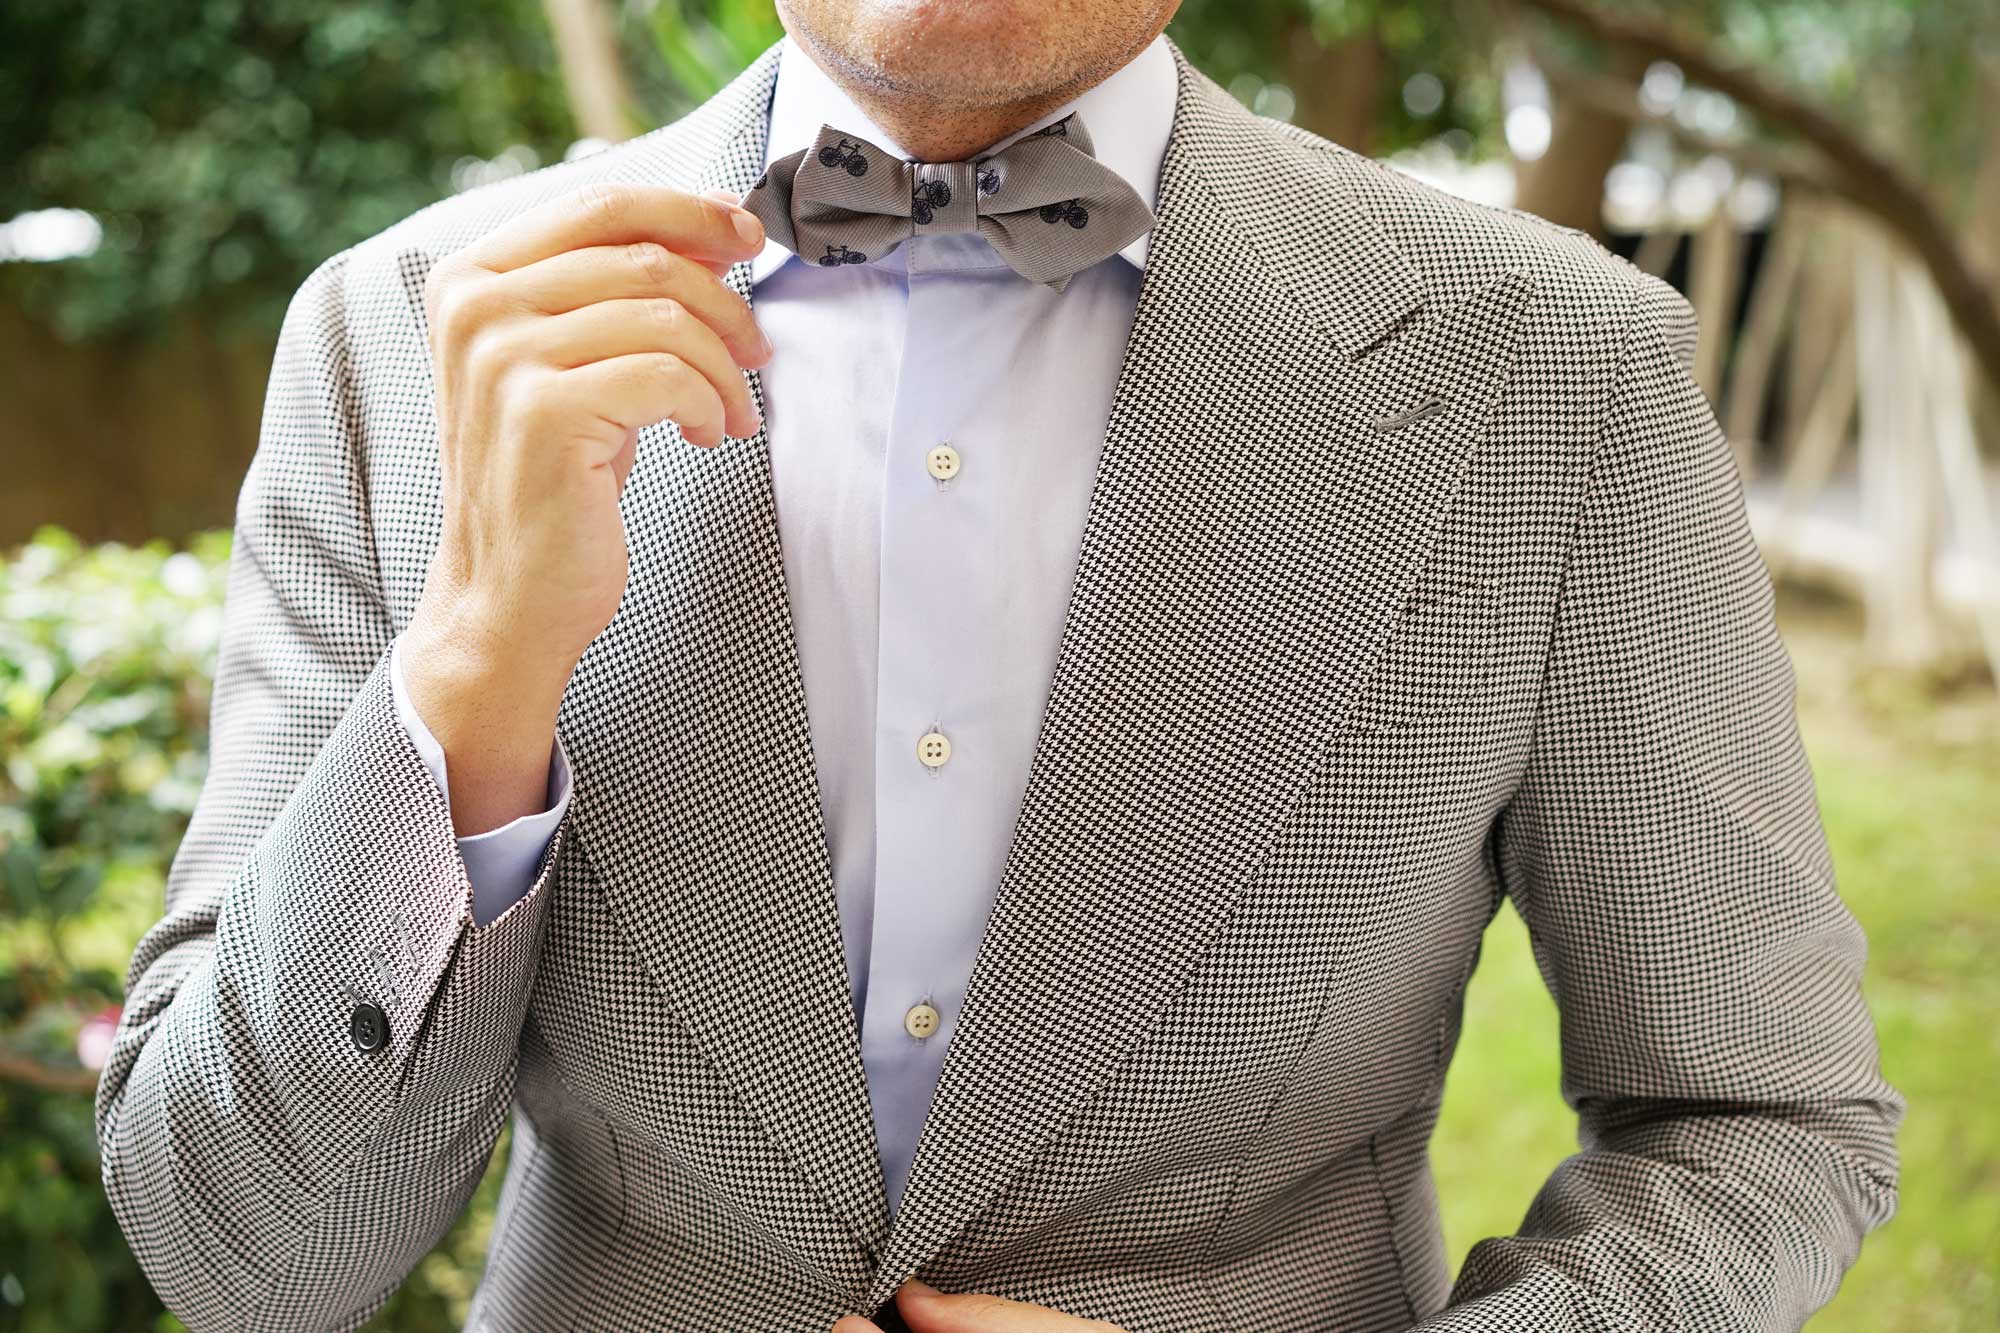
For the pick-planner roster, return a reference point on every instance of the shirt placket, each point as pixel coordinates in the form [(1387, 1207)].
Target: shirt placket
[(934, 760)]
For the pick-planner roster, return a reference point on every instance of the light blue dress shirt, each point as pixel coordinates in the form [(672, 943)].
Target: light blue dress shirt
[(922, 604)]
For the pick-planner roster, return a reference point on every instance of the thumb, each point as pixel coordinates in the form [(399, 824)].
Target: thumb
[(718, 267)]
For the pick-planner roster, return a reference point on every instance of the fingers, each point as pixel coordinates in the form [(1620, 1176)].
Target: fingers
[(928, 1310), (635, 391), (596, 273), (620, 214), (854, 1323), (611, 329)]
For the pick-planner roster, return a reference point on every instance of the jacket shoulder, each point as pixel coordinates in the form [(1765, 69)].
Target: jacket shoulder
[(1459, 246)]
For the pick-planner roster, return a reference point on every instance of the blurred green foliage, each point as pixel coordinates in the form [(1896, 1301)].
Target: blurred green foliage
[(227, 147), (106, 656), (703, 46)]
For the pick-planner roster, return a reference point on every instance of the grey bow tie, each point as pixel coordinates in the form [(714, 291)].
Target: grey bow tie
[(1044, 203)]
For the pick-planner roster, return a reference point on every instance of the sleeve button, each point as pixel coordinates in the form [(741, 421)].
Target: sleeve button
[(368, 1026)]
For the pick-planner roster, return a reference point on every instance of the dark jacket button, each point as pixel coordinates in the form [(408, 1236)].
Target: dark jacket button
[(369, 1026)]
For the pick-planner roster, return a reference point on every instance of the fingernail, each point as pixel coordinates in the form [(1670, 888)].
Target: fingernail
[(764, 341), (920, 1286), (749, 228)]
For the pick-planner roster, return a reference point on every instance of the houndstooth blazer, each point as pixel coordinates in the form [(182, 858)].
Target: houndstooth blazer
[(1416, 573)]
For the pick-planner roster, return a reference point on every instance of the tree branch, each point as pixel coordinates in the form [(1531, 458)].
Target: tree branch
[(48, 1078), (1871, 180), (1612, 97)]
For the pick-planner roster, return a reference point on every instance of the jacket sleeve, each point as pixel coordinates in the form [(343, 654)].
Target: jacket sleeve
[(269, 1170), (501, 862), (1665, 849)]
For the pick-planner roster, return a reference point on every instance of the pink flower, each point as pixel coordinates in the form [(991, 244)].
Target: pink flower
[(93, 1039)]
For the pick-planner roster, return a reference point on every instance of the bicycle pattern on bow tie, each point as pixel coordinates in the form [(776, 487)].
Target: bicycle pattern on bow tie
[(1068, 210), (926, 199), (846, 153), (836, 255)]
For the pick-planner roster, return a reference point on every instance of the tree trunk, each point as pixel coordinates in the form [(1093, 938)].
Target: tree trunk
[(1338, 87), (592, 77), (1566, 184)]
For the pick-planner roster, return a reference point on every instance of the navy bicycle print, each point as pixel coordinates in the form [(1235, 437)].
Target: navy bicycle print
[(846, 153), (926, 198), (1068, 210)]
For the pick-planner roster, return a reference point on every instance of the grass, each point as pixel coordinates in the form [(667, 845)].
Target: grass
[(1909, 787)]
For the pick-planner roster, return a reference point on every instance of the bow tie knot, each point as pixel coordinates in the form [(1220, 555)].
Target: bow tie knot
[(1045, 204)]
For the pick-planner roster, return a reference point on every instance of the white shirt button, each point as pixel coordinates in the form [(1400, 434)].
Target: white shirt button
[(943, 462), (921, 1021), (933, 748)]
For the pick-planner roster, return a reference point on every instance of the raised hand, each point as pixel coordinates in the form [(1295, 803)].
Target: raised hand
[(554, 339)]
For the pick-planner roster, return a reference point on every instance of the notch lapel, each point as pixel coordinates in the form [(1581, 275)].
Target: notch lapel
[(1251, 539), (698, 803)]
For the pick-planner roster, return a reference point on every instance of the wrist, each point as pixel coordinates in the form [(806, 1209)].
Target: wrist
[(464, 644), (486, 705)]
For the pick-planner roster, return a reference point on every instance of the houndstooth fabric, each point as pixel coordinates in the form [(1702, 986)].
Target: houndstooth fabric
[(1415, 573), (1045, 204)]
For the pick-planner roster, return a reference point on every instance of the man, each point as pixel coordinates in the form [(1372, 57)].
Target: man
[(1023, 816)]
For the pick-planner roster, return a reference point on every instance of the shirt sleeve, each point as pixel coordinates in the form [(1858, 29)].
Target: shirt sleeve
[(501, 862)]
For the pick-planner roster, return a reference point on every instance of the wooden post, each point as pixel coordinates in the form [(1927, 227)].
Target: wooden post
[(1816, 447), (1941, 359), (1713, 279), (1771, 301), (1899, 487), (1821, 373), (1657, 249), (1822, 326)]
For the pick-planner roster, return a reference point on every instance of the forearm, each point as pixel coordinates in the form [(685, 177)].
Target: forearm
[(1714, 1217), (249, 1140)]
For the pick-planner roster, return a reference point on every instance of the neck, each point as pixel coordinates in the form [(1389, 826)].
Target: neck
[(932, 129), (931, 133)]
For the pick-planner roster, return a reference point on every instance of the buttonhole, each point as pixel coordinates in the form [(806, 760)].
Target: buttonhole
[(1430, 407)]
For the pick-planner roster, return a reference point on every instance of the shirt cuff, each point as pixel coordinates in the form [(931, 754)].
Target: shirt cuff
[(501, 862)]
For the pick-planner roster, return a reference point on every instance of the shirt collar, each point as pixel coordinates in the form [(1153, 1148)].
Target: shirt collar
[(1129, 116)]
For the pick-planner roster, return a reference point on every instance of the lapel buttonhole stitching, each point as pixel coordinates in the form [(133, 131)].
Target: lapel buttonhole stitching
[(1430, 407)]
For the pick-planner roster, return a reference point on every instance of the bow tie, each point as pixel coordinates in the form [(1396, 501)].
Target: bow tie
[(1047, 207)]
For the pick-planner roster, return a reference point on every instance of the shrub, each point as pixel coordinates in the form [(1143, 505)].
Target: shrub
[(107, 655)]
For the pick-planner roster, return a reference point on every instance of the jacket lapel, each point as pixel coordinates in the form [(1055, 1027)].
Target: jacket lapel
[(698, 806), (1258, 518)]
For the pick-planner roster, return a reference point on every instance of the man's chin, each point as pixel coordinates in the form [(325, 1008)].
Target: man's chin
[(988, 53)]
